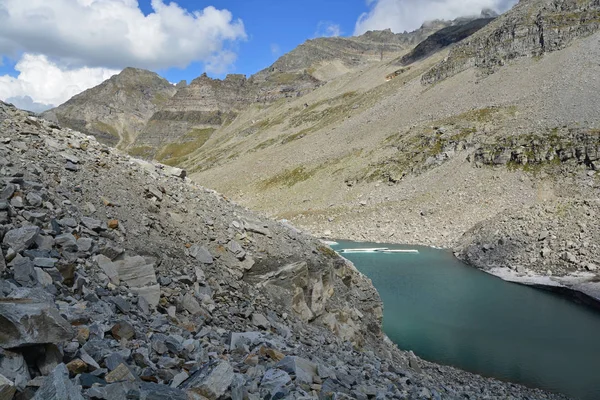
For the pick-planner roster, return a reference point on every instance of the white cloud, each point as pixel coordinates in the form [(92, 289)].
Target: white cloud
[(328, 29), (42, 84), (401, 15), (116, 34), (275, 49)]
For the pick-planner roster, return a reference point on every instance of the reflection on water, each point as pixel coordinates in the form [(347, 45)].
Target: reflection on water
[(450, 313)]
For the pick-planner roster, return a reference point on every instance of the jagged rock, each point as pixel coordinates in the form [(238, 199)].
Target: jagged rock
[(274, 381), (239, 340), (7, 388), (120, 374), (23, 271), (26, 322), (190, 304), (57, 386), (123, 330), (201, 254), (21, 238), (303, 369), (14, 367), (236, 249), (211, 381), (260, 321)]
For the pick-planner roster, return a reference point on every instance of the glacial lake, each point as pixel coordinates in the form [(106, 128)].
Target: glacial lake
[(453, 314)]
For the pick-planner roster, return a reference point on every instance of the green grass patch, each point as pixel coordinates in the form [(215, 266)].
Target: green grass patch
[(141, 151), (288, 178), (174, 153)]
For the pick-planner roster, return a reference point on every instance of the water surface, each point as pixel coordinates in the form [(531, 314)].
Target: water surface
[(453, 314)]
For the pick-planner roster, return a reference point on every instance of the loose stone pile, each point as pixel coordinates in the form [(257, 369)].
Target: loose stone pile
[(122, 280)]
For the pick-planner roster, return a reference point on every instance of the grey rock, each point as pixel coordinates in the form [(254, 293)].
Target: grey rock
[(7, 388), (84, 245), (34, 199), (66, 241), (14, 367), (240, 340), (93, 224), (57, 386), (49, 361), (23, 271), (201, 254), (260, 321), (190, 304), (236, 249), (179, 379), (274, 381), (28, 322), (8, 191), (304, 369), (211, 381), (22, 238), (17, 202), (42, 262), (155, 192)]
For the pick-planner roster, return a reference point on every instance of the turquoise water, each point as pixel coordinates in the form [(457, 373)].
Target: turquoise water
[(453, 314)]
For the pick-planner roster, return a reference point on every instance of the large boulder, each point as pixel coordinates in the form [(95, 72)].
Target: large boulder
[(24, 322)]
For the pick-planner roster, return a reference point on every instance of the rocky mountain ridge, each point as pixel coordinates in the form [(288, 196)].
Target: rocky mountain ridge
[(531, 29), (122, 279), (116, 110)]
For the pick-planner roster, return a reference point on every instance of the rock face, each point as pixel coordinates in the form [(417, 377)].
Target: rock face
[(116, 110), (531, 29), (141, 310), (460, 30)]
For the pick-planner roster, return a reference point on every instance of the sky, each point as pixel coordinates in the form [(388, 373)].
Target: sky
[(51, 50)]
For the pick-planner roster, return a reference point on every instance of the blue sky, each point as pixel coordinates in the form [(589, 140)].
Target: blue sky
[(51, 50)]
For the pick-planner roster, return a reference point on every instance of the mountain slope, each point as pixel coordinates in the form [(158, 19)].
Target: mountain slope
[(121, 280), (116, 110), (409, 162)]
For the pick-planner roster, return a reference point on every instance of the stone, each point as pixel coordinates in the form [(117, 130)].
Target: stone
[(212, 381), (274, 381), (272, 353), (8, 192), (239, 340), (155, 192), (50, 359), (42, 262), (123, 330), (120, 374), (84, 245), (7, 388), (304, 369), (23, 271), (34, 199), (569, 257), (66, 241), (113, 224), (77, 366), (190, 304), (236, 249), (260, 321), (22, 238), (201, 254), (43, 278), (14, 367), (26, 322), (108, 267), (93, 224), (179, 379), (89, 380), (57, 386), (136, 271)]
